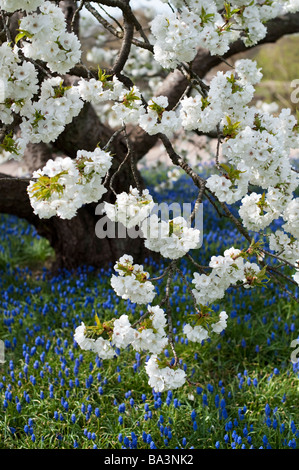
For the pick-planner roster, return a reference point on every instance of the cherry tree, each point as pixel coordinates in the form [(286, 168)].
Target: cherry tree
[(84, 129)]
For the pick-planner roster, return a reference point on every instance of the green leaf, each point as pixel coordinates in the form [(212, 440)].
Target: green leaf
[(158, 109), (97, 320), (22, 34), (9, 144)]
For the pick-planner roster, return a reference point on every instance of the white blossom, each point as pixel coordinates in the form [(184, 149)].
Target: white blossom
[(165, 378)]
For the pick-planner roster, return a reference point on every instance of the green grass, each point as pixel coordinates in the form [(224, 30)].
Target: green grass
[(226, 363), (280, 66), (26, 250), (248, 367)]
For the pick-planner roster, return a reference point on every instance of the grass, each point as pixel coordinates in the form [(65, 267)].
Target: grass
[(244, 390), (279, 64), (20, 245)]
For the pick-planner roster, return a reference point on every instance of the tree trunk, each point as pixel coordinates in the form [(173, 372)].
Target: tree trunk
[(75, 241)]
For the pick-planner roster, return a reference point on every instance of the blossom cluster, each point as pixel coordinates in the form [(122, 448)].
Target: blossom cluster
[(197, 23), (229, 269), (228, 93), (19, 82), (45, 38), (198, 333), (157, 119), (130, 208), (150, 337), (286, 246), (128, 107), (14, 5), (132, 281), (65, 184), (163, 378), (45, 119), (179, 34), (229, 188), (255, 146), (172, 238), (99, 90)]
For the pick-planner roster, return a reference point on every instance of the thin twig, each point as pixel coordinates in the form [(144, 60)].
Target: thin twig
[(114, 135), (189, 289), (179, 161), (279, 258), (133, 164), (114, 31), (279, 273), (76, 14), (274, 278), (5, 26), (200, 267), (152, 279), (166, 300), (137, 322), (198, 202)]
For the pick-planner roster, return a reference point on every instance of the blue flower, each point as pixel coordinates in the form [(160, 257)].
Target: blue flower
[(267, 410)]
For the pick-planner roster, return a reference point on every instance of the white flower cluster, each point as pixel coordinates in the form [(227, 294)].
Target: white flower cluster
[(291, 217), (149, 337), (172, 238), (296, 276), (198, 333), (229, 189), (262, 152), (253, 18), (100, 346), (258, 147), (42, 119), (130, 208), (45, 119), (179, 34), (197, 23), (163, 378), (128, 108), (132, 283), (98, 91), (285, 247), (227, 92), (291, 6), (48, 40), (255, 213), (64, 185), (226, 270), (13, 5), (157, 119), (248, 72), (18, 83), (152, 336), (15, 150), (199, 113)]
